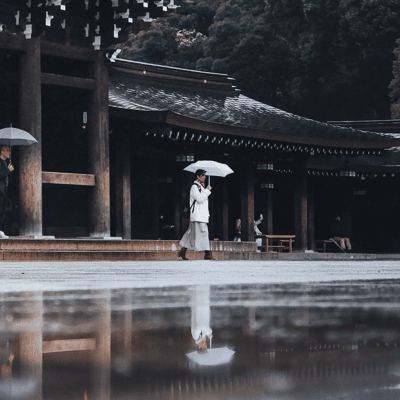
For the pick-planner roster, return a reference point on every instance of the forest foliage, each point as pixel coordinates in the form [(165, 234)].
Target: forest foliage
[(322, 59)]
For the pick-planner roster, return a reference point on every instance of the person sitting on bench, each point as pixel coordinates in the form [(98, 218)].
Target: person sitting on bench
[(337, 232)]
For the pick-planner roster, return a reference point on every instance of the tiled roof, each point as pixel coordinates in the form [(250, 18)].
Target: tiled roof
[(210, 102)]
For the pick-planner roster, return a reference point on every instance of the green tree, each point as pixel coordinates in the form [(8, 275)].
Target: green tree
[(347, 66), (177, 41)]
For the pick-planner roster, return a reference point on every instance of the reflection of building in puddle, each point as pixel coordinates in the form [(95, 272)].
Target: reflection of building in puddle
[(6, 360), (134, 344), (21, 364), (46, 350)]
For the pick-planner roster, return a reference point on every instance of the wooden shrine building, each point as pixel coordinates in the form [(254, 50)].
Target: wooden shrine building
[(115, 135), (296, 172)]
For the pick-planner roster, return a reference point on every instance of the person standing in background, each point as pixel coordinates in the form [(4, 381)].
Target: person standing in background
[(5, 170)]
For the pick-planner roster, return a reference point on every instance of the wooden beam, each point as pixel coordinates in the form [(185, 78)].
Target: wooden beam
[(58, 346), (67, 81), (12, 42), (71, 52), (339, 143), (19, 43), (63, 178)]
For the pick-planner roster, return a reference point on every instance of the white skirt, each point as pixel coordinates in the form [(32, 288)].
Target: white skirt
[(196, 237)]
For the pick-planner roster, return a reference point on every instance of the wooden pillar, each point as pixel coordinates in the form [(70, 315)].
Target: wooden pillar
[(101, 356), (30, 157), (30, 342), (310, 214), (185, 183), (127, 345), (123, 188), (176, 183), (300, 205), (247, 202), (268, 212), (99, 157), (225, 211), (155, 218)]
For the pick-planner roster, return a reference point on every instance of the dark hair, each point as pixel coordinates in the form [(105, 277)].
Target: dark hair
[(200, 172)]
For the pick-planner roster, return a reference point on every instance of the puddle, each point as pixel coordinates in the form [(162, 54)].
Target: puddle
[(284, 341)]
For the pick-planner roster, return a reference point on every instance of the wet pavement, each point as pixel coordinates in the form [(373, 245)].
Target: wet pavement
[(108, 275), (277, 330)]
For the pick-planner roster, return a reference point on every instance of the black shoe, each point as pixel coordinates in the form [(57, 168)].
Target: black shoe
[(182, 253), (208, 255)]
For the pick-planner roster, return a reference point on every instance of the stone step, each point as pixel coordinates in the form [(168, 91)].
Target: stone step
[(21, 249), (23, 244), (162, 255), (171, 255)]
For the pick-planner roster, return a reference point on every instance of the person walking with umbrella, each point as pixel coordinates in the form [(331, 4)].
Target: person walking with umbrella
[(196, 237), (5, 171), (9, 137)]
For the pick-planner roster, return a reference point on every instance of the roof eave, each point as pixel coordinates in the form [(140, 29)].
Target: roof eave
[(174, 119)]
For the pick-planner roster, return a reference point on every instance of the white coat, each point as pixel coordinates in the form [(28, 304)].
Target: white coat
[(200, 322), (199, 195)]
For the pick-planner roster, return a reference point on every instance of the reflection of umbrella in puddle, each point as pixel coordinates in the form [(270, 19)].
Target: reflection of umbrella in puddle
[(212, 357)]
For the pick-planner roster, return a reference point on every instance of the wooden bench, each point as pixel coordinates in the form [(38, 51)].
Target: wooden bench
[(322, 246), (279, 242)]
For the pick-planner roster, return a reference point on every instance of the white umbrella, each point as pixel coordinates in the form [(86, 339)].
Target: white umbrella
[(212, 168), (212, 357)]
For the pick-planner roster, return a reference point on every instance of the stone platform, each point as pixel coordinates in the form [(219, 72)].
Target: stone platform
[(87, 249)]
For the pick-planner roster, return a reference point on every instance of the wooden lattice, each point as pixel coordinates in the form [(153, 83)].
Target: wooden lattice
[(102, 22)]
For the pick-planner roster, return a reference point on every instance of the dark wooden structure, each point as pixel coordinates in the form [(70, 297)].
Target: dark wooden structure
[(54, 66), (284, 164), (114, 136)]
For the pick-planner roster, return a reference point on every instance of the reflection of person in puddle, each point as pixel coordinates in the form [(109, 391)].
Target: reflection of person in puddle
[(200, 323), (6, 368), (202, 344)]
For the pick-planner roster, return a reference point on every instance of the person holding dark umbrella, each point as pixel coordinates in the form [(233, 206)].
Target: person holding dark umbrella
[(196, 237), (5, 170)]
